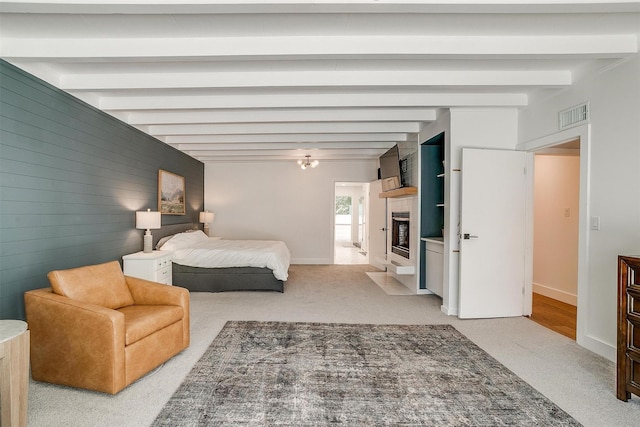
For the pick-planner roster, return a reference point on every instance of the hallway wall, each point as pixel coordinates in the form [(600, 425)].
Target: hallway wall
[(555, 240)]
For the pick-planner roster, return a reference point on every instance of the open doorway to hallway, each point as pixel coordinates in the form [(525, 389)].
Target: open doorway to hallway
[(556, 236), (350, 221)]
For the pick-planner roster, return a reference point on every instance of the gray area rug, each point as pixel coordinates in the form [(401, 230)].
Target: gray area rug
[(309, 374)]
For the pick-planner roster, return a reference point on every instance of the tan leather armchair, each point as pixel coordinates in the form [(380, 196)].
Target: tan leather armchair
[(97, 329)]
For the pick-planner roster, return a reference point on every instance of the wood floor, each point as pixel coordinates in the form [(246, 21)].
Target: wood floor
[(555, 315)]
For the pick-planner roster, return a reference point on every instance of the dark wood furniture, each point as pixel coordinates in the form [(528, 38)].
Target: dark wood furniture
[(628, 368)]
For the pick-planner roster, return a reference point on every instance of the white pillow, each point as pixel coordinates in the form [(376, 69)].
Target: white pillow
[(184, 240), (163, 241)]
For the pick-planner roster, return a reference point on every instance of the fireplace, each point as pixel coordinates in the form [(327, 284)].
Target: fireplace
[(400, 233)]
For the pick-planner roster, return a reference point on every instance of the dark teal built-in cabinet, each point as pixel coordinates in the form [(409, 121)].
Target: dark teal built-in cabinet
[(432, 197)]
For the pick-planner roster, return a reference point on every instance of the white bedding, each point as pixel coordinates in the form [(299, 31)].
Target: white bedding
[(195, 249)]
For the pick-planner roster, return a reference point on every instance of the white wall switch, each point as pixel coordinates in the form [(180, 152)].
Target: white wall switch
[(595, 223)]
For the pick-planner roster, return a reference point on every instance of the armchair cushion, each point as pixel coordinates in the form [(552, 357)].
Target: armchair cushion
[(101, 284), (143, 320)]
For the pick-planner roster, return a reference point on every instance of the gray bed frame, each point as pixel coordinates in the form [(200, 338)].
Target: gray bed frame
[(197, 279)]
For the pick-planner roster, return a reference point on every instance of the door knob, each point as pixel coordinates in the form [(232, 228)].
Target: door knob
[(468, 236), (383, 229)]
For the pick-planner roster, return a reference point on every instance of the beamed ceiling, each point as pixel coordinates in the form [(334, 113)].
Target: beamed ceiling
[(275, 80)]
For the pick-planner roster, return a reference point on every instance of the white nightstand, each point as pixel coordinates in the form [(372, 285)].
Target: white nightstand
[(154, 266)]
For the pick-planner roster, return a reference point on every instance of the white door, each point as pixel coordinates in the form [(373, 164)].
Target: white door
[(493, 233), (377, 226)]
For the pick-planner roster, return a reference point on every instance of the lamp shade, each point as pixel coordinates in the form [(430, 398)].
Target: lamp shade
[(206, 217), (147, 220)]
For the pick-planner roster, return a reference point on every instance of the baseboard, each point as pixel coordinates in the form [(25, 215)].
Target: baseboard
[(555, 294), (311, 261), (598, 346), (448, 312)]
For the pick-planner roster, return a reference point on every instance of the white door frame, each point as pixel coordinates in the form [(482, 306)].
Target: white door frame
[(583, 133), (364, 186)]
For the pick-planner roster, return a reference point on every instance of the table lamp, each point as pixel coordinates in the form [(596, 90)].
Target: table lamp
[(206, 218), (148, 220)]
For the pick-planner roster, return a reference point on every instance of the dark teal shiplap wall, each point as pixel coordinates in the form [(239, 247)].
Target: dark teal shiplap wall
[(71, 178)]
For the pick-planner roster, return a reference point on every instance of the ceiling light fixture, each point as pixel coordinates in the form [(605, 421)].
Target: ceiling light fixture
[(307, 162)]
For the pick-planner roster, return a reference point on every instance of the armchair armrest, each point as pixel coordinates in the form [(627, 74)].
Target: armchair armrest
[(79, 344), (152, 293), (145, 292)]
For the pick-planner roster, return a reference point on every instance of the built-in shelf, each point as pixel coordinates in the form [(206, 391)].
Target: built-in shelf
[(399, 192), (437, 240)]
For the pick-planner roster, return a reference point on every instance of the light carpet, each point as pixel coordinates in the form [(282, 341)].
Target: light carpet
[(297, 374)]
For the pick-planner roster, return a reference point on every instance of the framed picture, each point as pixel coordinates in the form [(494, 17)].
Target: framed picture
[(171, 199)]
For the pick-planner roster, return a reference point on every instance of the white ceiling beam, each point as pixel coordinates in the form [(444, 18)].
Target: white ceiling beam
[(311, 100), (314, 152), (296, 128), (285, 158), (315, 6), (275, 138), (354, 78), (282, 115), (197, 148), (391, 46)]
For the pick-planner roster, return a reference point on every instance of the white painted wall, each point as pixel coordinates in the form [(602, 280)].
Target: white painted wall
[(495, 128), (278, 200), (555, 237), (614, 180), (472, 128)]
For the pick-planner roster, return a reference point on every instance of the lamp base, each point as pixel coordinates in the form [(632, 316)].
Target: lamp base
[(148, 242)]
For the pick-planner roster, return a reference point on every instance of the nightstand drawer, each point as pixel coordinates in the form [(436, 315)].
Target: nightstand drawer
[(163, 262), (164, 275)]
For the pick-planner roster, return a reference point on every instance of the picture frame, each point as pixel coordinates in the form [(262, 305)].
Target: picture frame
[(171, 193)]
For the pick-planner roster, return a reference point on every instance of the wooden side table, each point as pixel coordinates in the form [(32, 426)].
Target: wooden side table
[(14, 372)]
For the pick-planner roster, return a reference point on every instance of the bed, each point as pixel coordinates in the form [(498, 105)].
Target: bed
[(204, 264)]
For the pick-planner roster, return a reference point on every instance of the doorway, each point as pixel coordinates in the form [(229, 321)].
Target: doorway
[(350, 221), (556, 224), (546, 144)]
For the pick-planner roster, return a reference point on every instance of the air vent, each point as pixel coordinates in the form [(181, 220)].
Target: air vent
[(574, 116)]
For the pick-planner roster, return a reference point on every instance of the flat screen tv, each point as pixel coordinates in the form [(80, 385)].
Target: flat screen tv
[(390, 169)]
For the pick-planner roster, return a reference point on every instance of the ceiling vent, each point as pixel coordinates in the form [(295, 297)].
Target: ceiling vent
[(574, 116)]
